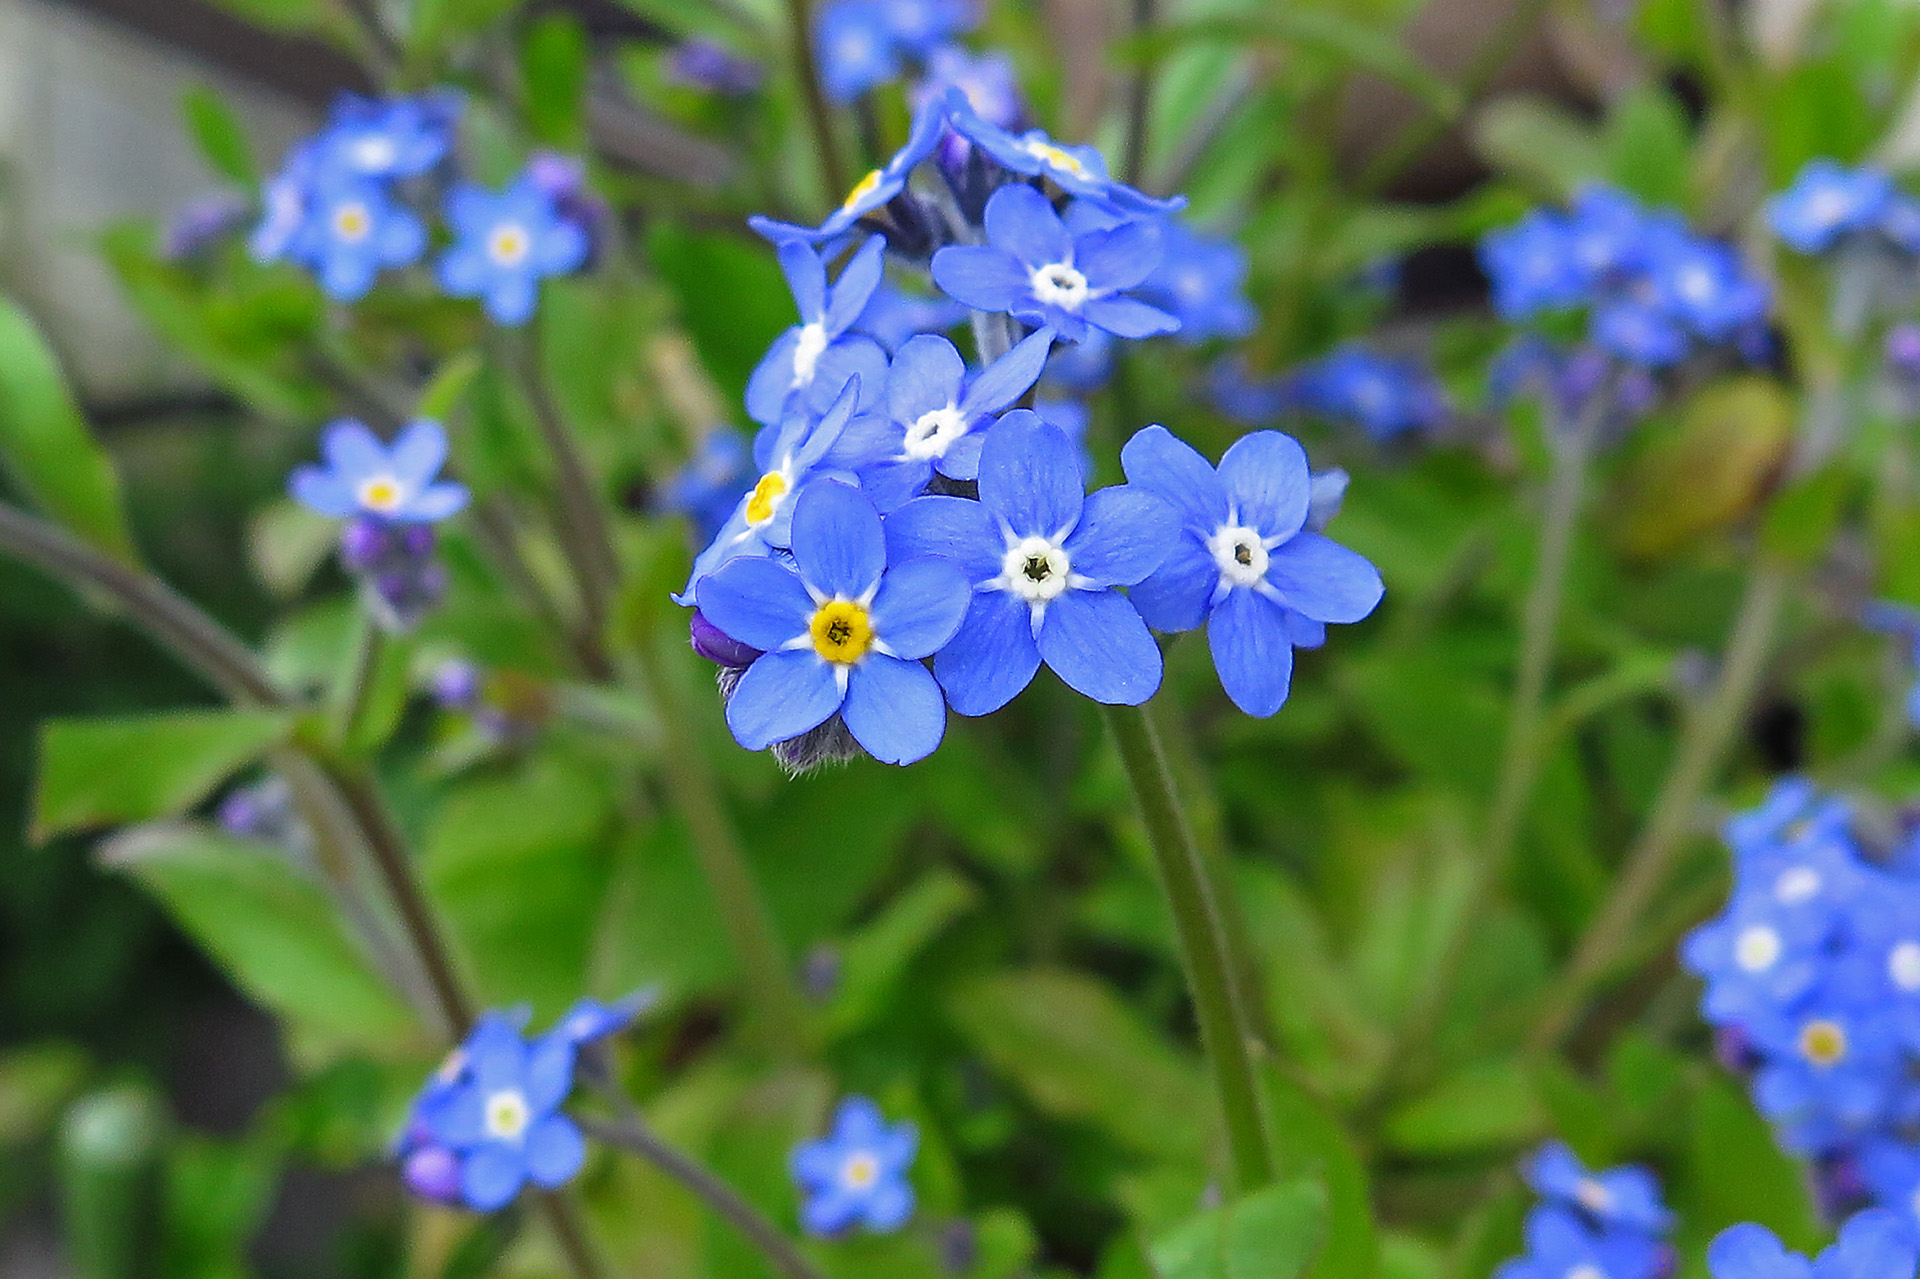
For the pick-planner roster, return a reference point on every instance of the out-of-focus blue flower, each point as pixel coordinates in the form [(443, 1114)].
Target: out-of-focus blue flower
[(1531, 266), (1244, 563), (589, 1021), (708, 488), (1202, 280), (923, 27), (1043, 558), (1384, 396), (811, 362), (390, 137), (1831, 1065), (283, 206), (1873, 1245), (874, 191), (855, 47), (1639, 331), (563, 180), (1617, 1199), (1754, 1252), (1891, 1170), (1560, 1246), (934, 418), (1828, 202), (985, 80), (703, 64), (202, 224), (857, 1174), (363, 477), (505, 243), (457, 685), (353, 229), (1250, 400), (1757, 957), (1706, 286), (1079, 171), (842, 631), (892, 317), (1034, 270)]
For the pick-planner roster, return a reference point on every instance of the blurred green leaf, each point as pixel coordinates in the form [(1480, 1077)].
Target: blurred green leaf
[(1310, 1143), (222, 139), (440, 22), (102, 772), (1539, 142), (1737, 1172), (1270, 1234), (553, 66), (1647, 147), (873, 961), (287, 543), (110, 1143), (46, 445), (36, 1081), (451, 382), (217, 1197), (1803, 518), (1485, 1106), (1709, 473)]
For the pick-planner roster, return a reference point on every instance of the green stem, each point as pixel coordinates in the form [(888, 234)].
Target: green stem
[(356, 690), (1133, 156), (1703, 745), (819, 115), (1203, 943)]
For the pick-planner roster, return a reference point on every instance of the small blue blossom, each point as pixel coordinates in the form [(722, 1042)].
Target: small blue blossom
[(589, 1021), (1561, 1246), (935, 417), (1706, 286), (505, 243), (1202, 281), (1386, 397), (842, 631), (1080, 171), (855, 47), (923, 27), (363, 478), (987, 84), (709, 487), (1891, 1170), (1618, 1199), (1831, 1065), (1756, 957), (1034, 270), (1873, 1245), (1828, 202), (352, 230), (283, 206), (1043, 558), (1244, 563), (704, 64), (811, 362), (1531, 266), (1249, 399), (392, 137), (857, 1174), (877, 189)]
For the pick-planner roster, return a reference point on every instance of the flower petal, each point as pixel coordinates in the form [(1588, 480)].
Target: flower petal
[(1174, 597), (555, 1152), (925, 376), (889, 1206), (782, 696), (852, 358), (512, 298), (992, 657), (549, 1073), (1267, 482), (353, 452), (894, 709), (982, 276), (920, 606), (837, 542), (756, 601), (1128, 317), (418, 453), (1323, 579), (1251, 652), (1157, 459), (1096, 642), (323, 492), (1009, 377), (772, 379), (1125, 533), (437, 502), (858, 279), (491, 1176), (1030, 476), (951, 527), (1021, 221), (1120, 257), (806, 278), (892, 485)]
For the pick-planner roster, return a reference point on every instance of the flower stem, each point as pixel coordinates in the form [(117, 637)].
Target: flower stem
[(1702, 747), (1133, 155), (819, 115), (1203, 942), (356, 690)]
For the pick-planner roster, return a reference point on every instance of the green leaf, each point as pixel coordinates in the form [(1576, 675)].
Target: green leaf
[(1309, 1143), (45, 443), (449, 386), (222, 139), (553, 63), (1270, 1234), (437, 22), (102, 772), (1540, 142), (1487, 1106), (287, 543), (1647, 147), (274, 932), (1737, 1172), (1803, 518), (873, 961)]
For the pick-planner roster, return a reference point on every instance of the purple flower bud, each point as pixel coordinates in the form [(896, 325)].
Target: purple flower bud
[(820, 973), (702, 64), (200, 224), (417, 540), (363, 544), (456, 685), (959, 1247), (240, 813), (1903, 349), (1734, 1048), (433, 1173), (716, 645)]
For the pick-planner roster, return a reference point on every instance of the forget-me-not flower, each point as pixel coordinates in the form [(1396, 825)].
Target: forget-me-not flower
[(1828, 202), (1616, 1199), (922, 27), (812, 361), (857, 1174), (1043, 558), (1244, 562), (708, 488), (1032, 268), (1831, 1064), (894, 317), (505, 243), (842, 630), (877, 189), (1561, 1246), (1875, 1244), (353, 229), (362, 477), (855, 47), (390, 137), (1080, 171), (1385, 396)]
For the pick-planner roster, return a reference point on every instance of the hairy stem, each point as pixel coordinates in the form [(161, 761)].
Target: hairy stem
[(1203, 943)]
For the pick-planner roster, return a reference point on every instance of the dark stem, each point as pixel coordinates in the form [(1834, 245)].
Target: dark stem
[(493, 529), (819, 114), (571, 1233), (1133, 160)]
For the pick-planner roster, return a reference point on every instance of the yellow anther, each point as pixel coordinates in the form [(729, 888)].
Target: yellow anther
[(841, 631)]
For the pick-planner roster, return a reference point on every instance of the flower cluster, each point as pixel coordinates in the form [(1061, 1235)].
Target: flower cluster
[(390, 498), (907, 507), (1653, 291), (1610, 1225), (350, 202), (1874, 1243), (1813, 987), (1385, 396), (1830, 207), (857, 1174), (488, 1120), (863, 44)]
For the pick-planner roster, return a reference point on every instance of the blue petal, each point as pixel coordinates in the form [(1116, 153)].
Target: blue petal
[(1020, 221), (418, 453), (402, 238), (1128, 317), (772, 380), (952, 527), (1119, 258), (549, 1073), (830, 1211), (920, 606), (555, 1152), (855, 286), (1096, 642), (562, 250), (806, 278), (982, 277), (323, 492), (815, 1163), (353, 452), (1753, 1252), (992, 657), (889, 1206), (892, 485), (491, 1176), (961, 461), (858, 1121), (926, 376), (1323, 579), (837, 542), (894, 709), (781, 696), (810, 444), (1251, 652), (497, 1055), (854, 358), (1009, 377), (1124, 534), (867, 440), (438, 502), (1267, 481), (1030, 476), (1157, 459), (758, 602), (511, 300), (1174, 597), (463, 271), (459, 1121)]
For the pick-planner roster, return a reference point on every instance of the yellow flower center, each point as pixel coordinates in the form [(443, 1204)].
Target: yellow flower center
[(842, 631), (1823, 1042), (380, 493), (352, 222), (860, 1171), (861, 190), (766, 495), (1057, 158), (507, 1115), (508, 244)]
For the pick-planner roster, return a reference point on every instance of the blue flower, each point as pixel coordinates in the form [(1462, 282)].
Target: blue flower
[(857, 1174), (589, 1021), (283, 206), (1831, 1065), (1386, 397), (505, 243), (1705, 285), (1757, 957), (1884, 939), (1202, 280), (1619, 1199), (1608, 233), (985, 81), (930, 423), (893, 317), (362, 478), (709, 487), (390, 138), (1638, 331), (842, 630), (1754, 1252), (813, 360), (1244, 562), (496, 1105), (1043, 558), (1874, 1245), (1559, 1246), (1793, 808), (874, 191), (353, 229), (922, 27), (787, 458), (705, 64), (1034, 270), (1828, 202), (1891, 1170), (1079, 171), (1531, 266), (855, 47)]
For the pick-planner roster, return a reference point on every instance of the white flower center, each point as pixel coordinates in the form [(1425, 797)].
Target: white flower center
[(860, 1171), (1586, 1270), (1035, 569), (1239, 553), (1593, 1196), (1696, 284), (1903, 965), (380, 494), (375, 154), (1797, 885), (509, 243), (807, 352), (507, 1114), (1756, 949), (1058, 284), (934, 432), (1829, 205)]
